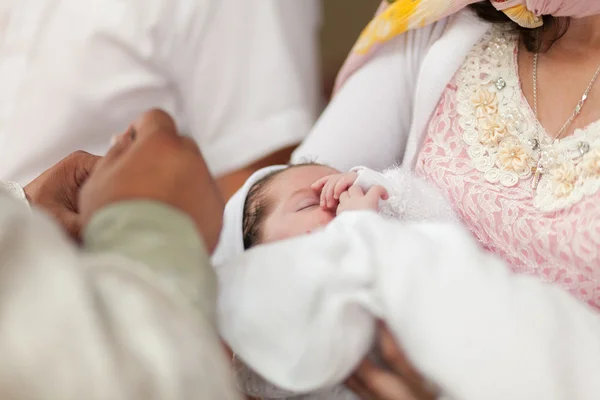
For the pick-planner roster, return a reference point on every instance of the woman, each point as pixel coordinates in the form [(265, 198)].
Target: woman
[(450, 101), (499, 110)]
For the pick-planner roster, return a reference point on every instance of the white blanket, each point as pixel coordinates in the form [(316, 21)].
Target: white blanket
[(303, 313)]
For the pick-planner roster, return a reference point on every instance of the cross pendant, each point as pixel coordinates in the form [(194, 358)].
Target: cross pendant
[(537, 175)]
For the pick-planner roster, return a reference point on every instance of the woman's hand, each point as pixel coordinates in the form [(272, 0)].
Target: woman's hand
[(399, 382)]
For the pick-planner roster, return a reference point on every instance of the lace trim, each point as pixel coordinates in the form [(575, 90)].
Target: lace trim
[(501, 130)]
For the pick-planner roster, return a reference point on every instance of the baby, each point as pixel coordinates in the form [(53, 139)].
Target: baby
[(283, 202), (295, 200)]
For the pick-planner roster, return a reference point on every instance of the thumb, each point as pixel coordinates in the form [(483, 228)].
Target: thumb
[(155, 121), (85, 165)]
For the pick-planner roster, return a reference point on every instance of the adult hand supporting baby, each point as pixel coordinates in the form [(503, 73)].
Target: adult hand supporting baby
[(152, 162), (56, 189), (399, 381)]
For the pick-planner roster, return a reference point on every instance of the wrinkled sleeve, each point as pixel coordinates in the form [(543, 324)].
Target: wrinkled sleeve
[(466, 322), (116, 320), (369, 120)]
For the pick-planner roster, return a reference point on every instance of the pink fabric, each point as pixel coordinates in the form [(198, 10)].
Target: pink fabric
[(560, 247), (558, 8), (563, 8)]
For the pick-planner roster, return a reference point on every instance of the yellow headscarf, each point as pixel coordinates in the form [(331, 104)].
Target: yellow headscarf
[(395, 17), (398, 16)]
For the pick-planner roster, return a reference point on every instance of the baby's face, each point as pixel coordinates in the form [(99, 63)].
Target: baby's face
[(296, 208)]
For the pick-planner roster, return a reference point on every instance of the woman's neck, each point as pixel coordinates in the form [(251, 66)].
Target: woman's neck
[(583, 35)]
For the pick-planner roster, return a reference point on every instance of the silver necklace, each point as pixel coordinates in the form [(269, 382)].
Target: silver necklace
[(539, 169)]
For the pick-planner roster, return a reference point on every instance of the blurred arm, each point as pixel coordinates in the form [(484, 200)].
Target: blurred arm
[(114, 321)]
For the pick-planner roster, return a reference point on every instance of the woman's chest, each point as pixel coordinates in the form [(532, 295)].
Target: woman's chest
[(482, 150)]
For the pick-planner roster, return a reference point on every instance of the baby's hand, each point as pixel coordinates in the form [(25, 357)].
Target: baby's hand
[(356, 199), (332, 186)]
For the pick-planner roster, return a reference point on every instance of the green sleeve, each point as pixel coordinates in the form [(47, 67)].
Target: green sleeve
[(161, 237)]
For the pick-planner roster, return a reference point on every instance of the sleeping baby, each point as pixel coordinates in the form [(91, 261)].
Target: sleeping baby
[(282, 202)]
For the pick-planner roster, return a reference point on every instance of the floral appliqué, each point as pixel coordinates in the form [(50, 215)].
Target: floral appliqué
[(502, 133)]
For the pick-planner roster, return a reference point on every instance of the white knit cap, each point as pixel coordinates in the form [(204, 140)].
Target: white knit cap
[(231, 241)]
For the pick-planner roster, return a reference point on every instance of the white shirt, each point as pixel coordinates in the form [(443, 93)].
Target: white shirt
[(239, 76)]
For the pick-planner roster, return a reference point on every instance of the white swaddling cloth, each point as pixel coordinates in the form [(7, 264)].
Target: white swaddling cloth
[(410, 199), (302, 312)]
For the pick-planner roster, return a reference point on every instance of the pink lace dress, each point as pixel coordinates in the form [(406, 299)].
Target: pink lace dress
[(481, 149)]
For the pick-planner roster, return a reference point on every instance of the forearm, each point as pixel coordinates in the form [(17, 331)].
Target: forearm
[(106, 318), (160, 237)]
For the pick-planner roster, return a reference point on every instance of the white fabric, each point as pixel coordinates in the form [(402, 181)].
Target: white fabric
[(231, 240), (97, 326), (379, 117), (410, 198), (239, 76), (302, 313), (15, 190)]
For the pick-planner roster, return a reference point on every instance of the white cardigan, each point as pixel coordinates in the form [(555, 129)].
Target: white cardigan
[(380, 115)]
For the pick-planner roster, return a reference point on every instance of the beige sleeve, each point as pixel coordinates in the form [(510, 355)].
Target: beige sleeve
[(112, 322)]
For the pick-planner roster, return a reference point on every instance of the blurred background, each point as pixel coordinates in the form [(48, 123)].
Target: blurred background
[(342, 23)]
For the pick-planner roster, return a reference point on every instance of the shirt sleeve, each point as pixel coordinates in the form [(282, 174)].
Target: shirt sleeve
[(464, 320), (15, 190), (369, 119), (113, 321), (249, 84)]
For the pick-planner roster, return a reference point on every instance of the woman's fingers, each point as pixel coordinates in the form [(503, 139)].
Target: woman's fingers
[(394, 358), (382, 385), (358, 389)]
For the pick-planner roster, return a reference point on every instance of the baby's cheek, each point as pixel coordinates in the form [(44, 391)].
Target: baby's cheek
[(327, 218)]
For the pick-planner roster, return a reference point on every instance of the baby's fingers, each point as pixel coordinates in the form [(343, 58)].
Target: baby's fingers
[(342, 185), (331, 200), (378, 192), (318, 185)]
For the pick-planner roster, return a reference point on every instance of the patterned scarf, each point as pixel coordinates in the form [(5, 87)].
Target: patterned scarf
[(395, 17)]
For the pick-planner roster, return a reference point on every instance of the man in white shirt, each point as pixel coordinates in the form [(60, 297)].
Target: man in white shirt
[(238, 76)]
